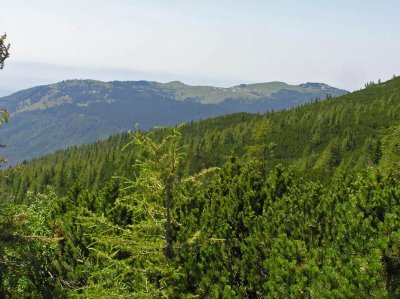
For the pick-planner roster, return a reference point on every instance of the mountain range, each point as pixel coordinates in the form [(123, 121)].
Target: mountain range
[(46, 118)]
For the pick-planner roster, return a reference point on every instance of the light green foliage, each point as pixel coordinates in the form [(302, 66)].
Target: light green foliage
[(3, 119), (262, 149), (134, 252)]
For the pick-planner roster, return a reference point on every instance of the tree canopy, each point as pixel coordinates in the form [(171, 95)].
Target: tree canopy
[(4, 50)]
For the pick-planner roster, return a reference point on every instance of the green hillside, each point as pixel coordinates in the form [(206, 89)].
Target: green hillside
[(47, 118), (302, 203), (316, 138)]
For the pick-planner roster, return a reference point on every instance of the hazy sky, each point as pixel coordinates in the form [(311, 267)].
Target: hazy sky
[(344, 43)]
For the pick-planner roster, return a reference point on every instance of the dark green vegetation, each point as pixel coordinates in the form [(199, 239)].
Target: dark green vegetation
[(303, 203), (47, 118)]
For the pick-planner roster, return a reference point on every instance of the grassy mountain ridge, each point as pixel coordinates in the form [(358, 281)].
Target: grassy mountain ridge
[(248, 92)]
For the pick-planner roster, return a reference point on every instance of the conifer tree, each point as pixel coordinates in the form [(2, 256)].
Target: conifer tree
[(4, 50), (4, 54), (134, 242), (263, 147), (158, 168)]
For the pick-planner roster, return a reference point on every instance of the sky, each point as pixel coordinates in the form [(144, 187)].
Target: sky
[(344, 43)]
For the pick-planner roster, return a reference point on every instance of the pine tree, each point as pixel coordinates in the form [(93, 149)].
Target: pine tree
[(4, 50), (134, 240)]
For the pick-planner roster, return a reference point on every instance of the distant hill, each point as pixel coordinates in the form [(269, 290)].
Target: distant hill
[(46, 118)]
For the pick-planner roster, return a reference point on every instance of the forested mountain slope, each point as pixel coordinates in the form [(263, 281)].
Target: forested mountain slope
[(46, 118), (316, 138)]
